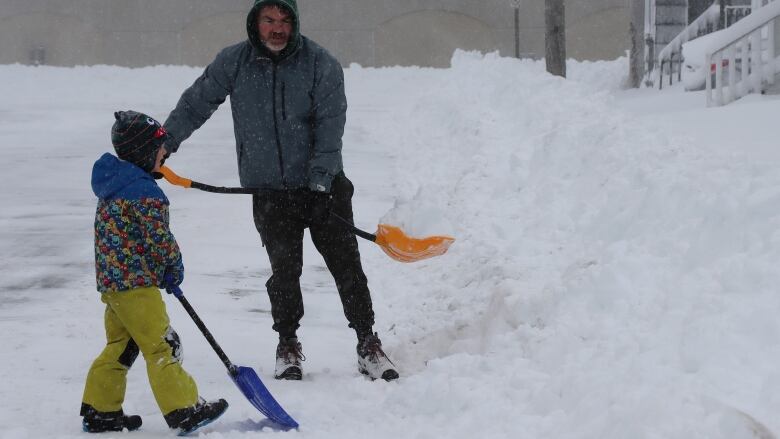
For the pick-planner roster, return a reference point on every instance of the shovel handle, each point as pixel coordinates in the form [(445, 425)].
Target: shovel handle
[(177, 180), (176, 291), (363, 234)]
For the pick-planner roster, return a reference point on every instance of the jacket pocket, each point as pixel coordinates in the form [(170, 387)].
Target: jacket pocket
[(240, 155)]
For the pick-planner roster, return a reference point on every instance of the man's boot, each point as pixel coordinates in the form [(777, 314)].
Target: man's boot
[(288, 359), (372, 360)]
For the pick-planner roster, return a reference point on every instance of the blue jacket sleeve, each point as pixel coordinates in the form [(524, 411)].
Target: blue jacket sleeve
[(202, 98), (329, 114)]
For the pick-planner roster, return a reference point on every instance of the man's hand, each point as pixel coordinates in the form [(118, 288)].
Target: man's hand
[(321, 203), (165, 154)]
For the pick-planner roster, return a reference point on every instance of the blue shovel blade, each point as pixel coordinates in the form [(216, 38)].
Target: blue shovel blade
[(255, 391)]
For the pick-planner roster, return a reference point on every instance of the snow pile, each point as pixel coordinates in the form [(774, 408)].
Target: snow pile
[(602, 75), (607, 279)]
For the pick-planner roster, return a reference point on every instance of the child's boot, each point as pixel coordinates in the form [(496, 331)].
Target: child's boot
[(99, 422), (189, 419)]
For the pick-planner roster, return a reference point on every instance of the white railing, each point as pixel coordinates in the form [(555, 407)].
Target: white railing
[(749, 44), (706, 23)]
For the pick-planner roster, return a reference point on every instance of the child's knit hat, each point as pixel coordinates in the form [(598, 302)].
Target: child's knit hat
[(137, 138)]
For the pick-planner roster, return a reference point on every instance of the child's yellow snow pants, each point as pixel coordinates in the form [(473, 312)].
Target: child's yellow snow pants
[(136, 320)]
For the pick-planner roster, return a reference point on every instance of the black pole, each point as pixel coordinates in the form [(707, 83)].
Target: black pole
[(679, 68), (242, 190), (365, 235), (517, 32), (555, 37), (199, 323), (223, 190)]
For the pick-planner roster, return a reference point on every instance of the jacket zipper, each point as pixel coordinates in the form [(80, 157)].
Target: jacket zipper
[(276, 128), (284, 104)]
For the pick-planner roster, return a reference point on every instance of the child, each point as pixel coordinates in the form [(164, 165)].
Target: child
[(135, 252)]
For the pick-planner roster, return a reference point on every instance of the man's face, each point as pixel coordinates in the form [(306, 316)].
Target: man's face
[(275, 26)]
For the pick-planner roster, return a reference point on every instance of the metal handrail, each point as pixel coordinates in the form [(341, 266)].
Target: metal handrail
[(704, 24)]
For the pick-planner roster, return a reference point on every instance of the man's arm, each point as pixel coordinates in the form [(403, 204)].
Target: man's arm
[(329, 114), (202, 98)]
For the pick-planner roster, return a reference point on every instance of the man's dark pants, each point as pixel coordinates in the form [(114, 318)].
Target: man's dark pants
[(281, 217)]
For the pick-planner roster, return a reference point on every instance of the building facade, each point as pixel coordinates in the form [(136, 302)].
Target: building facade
[(138, 33)]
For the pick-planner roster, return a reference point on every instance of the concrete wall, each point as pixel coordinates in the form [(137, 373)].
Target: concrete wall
[(391, 32)]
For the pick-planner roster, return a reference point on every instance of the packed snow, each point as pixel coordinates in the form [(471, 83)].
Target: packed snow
[(614, 275)]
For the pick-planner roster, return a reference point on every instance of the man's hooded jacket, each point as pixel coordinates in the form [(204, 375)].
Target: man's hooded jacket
[(288, 110)]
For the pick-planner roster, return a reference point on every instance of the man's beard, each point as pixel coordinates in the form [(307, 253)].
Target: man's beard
[(276, 47)]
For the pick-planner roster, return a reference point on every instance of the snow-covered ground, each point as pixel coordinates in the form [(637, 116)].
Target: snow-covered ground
[(614, 276)]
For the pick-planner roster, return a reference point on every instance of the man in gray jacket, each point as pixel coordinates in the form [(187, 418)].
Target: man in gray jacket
[(289, 110)]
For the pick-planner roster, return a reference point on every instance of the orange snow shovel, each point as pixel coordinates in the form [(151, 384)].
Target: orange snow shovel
[(391, 239)]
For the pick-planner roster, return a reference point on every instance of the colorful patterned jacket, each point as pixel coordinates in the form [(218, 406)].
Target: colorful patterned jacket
[(134, 246)]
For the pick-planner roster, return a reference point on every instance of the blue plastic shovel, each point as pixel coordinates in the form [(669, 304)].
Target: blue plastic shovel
[(245, 378)]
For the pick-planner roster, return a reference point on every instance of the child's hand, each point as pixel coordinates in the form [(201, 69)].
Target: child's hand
[(173, 277)]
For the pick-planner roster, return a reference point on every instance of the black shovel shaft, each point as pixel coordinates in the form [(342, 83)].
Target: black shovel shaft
[(365, 235), (223, 190), (242, 190), (206, 333)]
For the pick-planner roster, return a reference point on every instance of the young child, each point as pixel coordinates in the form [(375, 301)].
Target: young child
[(135, 252)]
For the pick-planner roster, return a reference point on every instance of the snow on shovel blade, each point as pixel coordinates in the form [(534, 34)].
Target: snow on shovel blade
[(255, 391)]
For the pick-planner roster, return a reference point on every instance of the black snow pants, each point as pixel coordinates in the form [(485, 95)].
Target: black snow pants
[(280, 218)]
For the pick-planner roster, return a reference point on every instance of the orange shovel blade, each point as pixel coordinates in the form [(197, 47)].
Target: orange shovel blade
[(404, 248)]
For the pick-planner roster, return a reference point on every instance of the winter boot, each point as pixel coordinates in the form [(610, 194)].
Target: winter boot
[(372, 360), (189, 419), (288, 359), (99, 422)]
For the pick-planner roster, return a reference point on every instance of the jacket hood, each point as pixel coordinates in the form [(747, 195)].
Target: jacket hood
[(111, 176), (254, 34)]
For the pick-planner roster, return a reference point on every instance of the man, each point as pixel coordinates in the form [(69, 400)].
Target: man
[(289, 110)]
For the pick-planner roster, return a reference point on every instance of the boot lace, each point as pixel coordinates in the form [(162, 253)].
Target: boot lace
[(371, 349), (291, 351)]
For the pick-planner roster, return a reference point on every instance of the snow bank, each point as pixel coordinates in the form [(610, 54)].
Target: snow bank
[(607, 281)]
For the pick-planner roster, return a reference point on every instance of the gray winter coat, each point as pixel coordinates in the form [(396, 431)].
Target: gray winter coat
[(288, 111)]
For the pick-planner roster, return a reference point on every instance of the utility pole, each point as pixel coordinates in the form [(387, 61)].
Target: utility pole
[(515, 4), (517, 32), (555, 37), (636, 33)]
